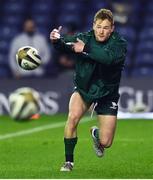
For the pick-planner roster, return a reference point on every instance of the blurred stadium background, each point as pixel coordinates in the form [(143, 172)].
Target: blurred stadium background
[(133, 19)]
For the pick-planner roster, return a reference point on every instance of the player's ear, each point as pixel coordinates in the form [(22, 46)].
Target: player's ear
[(112, 28), (93, 25)]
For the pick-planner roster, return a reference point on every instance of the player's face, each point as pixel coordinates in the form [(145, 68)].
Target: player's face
[(102, 29)]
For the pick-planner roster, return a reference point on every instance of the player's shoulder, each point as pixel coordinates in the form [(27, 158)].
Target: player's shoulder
[(118, 39), (116, 36)]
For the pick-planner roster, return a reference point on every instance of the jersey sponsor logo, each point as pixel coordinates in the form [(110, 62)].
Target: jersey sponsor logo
[(114, 105)]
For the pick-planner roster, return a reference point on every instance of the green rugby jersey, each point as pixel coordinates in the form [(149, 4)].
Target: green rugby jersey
[(98, 68)]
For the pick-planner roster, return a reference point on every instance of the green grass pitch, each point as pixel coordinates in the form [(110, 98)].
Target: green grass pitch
[(39, 153)]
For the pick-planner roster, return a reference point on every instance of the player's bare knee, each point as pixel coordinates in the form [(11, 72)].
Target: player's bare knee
[(106, 143), (73, 116), (72, 121)]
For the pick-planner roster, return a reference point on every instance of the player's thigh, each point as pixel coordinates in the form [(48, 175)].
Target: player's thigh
[(77, 107), (107, 124)]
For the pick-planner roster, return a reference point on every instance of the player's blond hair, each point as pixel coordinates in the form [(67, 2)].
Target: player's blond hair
[(104, 14)]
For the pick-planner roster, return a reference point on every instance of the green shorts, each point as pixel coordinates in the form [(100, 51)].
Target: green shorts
[(107, 106)]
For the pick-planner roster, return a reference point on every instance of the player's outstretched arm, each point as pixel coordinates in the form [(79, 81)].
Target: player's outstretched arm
[(62, 43)]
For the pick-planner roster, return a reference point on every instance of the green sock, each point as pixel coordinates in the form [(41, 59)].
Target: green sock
[(69, 148)]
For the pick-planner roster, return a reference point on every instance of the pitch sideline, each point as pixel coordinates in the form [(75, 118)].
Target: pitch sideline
[(38, 129)]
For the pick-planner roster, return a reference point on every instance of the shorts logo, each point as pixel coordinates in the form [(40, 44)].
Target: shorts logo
[(114, 105)]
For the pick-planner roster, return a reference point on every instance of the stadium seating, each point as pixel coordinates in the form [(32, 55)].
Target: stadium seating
[(146, 33), (4, 68), (12, 20), (144, 59), (8, 32), (142, 72), (41, 8), (4, 46), (145, 46), (14, 7), (128, 32)]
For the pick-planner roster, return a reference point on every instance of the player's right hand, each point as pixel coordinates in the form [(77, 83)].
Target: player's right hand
[(55, 34)]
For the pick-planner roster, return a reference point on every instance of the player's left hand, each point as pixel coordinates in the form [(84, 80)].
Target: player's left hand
[(78, 46)]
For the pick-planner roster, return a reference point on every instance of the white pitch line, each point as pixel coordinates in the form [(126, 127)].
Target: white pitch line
[(37, 129)]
